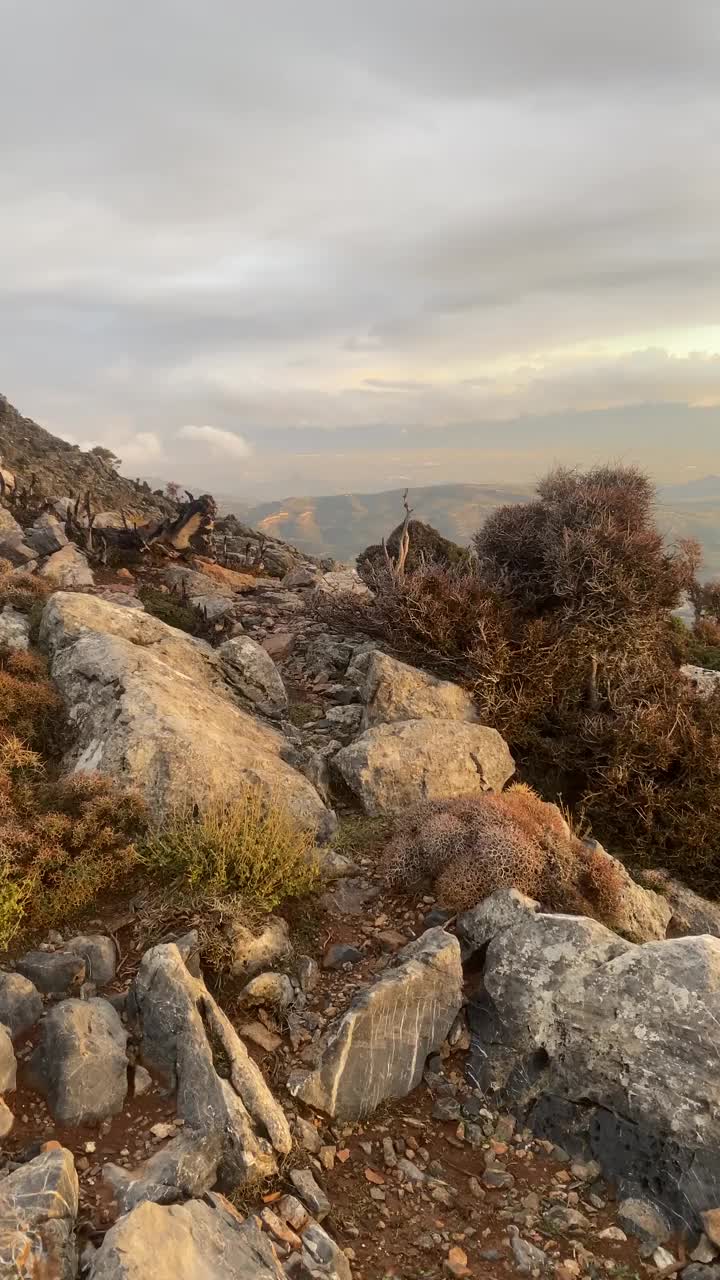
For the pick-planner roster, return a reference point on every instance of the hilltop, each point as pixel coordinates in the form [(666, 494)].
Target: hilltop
[(60, 468)]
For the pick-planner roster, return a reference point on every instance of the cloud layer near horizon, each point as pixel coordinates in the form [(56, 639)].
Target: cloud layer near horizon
[(414, 217)]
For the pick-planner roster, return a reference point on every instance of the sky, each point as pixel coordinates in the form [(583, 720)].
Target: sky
[(289, 248)]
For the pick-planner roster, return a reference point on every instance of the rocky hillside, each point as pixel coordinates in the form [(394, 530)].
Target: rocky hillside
[(297, 984), (64, 470)]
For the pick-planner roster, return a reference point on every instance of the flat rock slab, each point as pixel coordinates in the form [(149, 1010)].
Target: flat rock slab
[(393, 767), (193, 1241), (379, 1048)]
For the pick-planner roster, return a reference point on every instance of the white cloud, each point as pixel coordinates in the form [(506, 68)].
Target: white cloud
[(139, 451), (220, 441)]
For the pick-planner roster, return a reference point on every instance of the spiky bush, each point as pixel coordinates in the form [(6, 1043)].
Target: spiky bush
[(62, 843), (562, 630), (472, 845), (24, 591)]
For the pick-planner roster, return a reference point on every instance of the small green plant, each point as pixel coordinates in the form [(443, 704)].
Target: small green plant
[(301, 713), (249, 846), (172, 609)]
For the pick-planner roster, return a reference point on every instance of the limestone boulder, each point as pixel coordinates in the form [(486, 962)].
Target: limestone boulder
[(704, 681), (14, 629), (394, 691), (392, 767), (625, 1033), (200, 1240), (251, 672), (149, 706), (20, 1003), (68, 568), (38, 1207), (14, 548), (181, 1027), (47, 534), (378, 1049), (343, 582), (80, 1062)]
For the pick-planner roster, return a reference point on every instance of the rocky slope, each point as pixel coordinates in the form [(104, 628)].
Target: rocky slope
[(64, 470), (377, 1087)]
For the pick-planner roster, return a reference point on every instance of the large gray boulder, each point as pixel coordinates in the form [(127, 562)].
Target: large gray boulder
[(393, 767), (68, 568), (181, 1028), (20, 1003), (38, 1207), (395, 691), (251, 672), (572, 1011), (80, 1062), (47, 534), (194, 1241), (378, 1049), (149, 706)]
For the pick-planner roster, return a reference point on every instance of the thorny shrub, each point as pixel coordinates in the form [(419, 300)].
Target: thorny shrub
[(61, 842), (562, 631), (473, 845)]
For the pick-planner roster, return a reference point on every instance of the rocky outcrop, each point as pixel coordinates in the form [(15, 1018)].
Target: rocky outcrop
[(150, 707), (38, 1207), (80, 1062), (47, 534), (181, 1028), (392, 767), (379, 1048), (194, 1241), (250, 670), (68, 568), (395, 691), (571, 1011)]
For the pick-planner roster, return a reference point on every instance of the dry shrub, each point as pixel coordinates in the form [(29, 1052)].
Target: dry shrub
[(30, 705), (562, 630), (587, 548), (473, 845), (250, 846), (427, 547), (61, 842), (24, 591)]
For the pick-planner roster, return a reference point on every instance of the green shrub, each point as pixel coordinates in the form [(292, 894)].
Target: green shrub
[(250, 846), (172, 609)]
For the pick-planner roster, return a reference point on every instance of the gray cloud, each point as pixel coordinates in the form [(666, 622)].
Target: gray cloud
[(408, 216)]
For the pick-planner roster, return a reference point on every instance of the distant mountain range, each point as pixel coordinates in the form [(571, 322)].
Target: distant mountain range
[(344, 524)]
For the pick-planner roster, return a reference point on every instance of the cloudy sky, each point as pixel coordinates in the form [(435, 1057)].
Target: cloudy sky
[(288, 247)]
